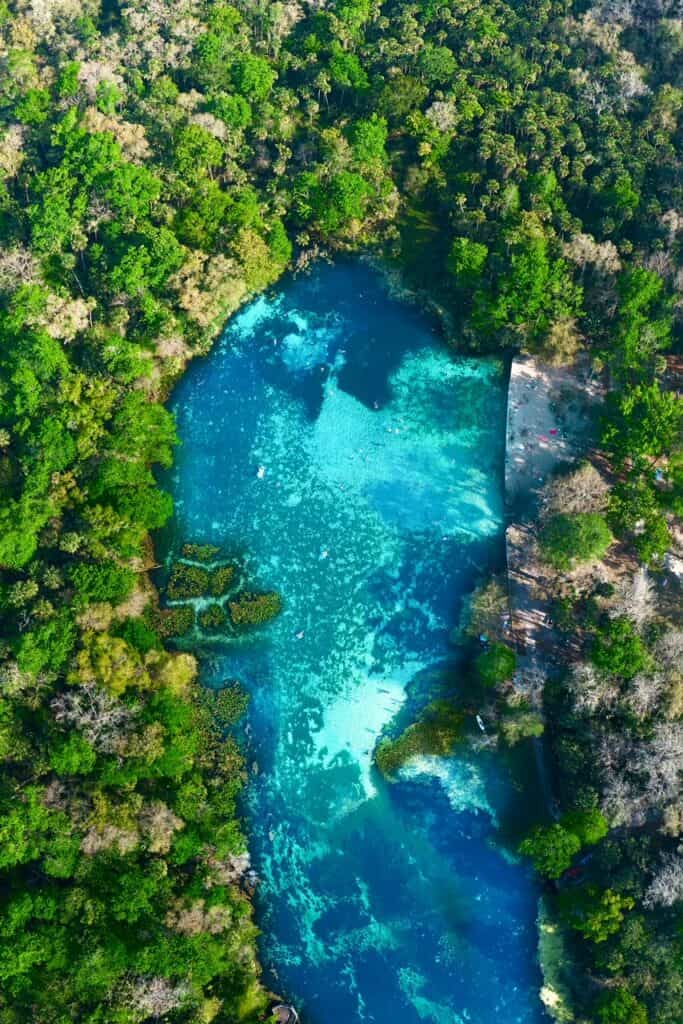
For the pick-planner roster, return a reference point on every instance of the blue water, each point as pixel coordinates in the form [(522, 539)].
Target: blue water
[(334, 439)]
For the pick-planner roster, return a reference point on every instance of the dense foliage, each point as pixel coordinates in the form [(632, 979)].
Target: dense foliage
[(161, 162)]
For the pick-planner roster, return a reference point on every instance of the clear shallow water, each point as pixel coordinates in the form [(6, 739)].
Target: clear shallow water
[(378, 505)]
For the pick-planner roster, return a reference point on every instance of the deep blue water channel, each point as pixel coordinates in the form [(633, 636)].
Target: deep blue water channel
[(333, 438)]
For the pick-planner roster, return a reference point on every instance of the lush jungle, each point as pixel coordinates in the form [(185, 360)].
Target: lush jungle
[(519, 164)]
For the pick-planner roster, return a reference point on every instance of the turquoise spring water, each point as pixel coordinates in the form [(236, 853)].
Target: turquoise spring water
[(332, 438)]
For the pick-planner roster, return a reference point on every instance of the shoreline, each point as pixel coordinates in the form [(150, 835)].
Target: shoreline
[(549, 415), (548, 426), (531, 394)]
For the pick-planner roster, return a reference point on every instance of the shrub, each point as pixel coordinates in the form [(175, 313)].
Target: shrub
[(200, 552), (176, 621), (229, 704), (485, 609), (521, 725), (580, 491)]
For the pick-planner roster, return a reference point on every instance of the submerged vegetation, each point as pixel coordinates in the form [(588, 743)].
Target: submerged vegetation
[(435, 733), (161, 162), (210, 596)]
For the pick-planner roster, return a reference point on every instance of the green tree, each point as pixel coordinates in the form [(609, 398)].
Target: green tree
[(642, 421), (73, 755), (534, 289), (620, 1007), (618, 650), (368, 139), (643, 322), (196, 152), (34, 107), (596, 915), (101, 581), (551, 848), (346, 71), (635, 510), (589, 825), (496, 665), (466, 260), (252, 76), (436, 64), (570, 539)]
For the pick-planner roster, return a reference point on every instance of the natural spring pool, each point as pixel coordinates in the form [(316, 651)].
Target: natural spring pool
[(332, 437)]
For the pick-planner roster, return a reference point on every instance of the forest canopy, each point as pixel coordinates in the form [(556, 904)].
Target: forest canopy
[(159, 164)]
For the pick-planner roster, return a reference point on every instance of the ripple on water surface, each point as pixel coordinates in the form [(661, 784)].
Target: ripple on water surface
[(332, 437)]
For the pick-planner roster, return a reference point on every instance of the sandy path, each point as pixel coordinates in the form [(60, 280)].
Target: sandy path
[(549, 426), (548, 422)]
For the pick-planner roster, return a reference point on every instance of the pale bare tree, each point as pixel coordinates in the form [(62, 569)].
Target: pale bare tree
[(442, 114), (590, 691), (672, 823), (130, 136), (209, 287), (583, 249), (646, 693), (44, 14), (229, 871), (669, 650), (155, 997), (563, 342), (109, 837), (636, 598), (659, 763), (12, 153), (64, 318), (666, 887), (582, 490), (102, 719), (159, 824), (17, 266), (621, 802), (196, 919)]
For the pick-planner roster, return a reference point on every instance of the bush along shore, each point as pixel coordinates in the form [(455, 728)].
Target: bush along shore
[(159, 164)]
